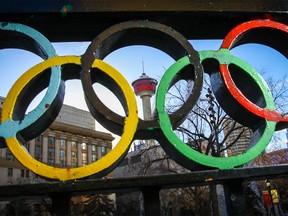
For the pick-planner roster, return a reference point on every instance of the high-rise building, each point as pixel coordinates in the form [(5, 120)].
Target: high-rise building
[(70, 141), (237, 135)]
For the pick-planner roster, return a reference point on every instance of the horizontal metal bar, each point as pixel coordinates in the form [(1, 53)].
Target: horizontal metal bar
[(109, 185), (44, 6), (83, 20)]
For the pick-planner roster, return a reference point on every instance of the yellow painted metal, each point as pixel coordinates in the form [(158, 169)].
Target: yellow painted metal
[(102, 164)]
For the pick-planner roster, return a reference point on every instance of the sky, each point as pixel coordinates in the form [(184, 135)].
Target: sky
[(128, 61)]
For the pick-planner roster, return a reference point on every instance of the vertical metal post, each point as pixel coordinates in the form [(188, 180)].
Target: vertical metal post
[(235, 198), (151, 201), (61, 204)]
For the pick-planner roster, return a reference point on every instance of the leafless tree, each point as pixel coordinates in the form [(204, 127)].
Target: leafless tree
[(207, 129)]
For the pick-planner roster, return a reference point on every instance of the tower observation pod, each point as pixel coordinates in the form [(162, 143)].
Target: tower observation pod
[(145, 87)]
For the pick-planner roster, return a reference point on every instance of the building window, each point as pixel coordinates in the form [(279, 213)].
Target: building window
[(38, 149), (27, 173), (74, 162), (74, 144), (10, 172), (84, 146), (22, 173), (51, 152), (62, 153), (63, 142), (62, 163), (84, 158), (10, 156), (38, 152), (94, 148), (94, 157), (39, 139), (103, 150), (73, 154), (51, 140), (51, 161)]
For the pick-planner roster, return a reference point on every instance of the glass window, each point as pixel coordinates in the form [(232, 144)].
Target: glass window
[(84, 158), (10, 172), (51, 162), (84, 146), (74, 163), (27, 173), (103, 150), (94, 147), (62, 163), (62, 142), (62, 153), (39, 138), (94, 157), (51, 152), (38, 150), (74, 144), (51, 140), (73, 154), (22, 173), (10, 156)]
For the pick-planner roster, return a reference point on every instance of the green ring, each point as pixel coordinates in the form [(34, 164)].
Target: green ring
[(194, 156)]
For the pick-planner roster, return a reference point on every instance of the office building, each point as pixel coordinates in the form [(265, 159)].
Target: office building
[(239, 137), (71, 141)]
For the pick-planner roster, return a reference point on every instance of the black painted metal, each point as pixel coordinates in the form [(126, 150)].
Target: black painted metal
[(81, 20), (61, 204), (61, 192), (137, 33), (9, 192), (151, 200), (195, 19), (235, 197)]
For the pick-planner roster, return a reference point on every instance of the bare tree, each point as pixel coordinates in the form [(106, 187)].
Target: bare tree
[(207, 129)]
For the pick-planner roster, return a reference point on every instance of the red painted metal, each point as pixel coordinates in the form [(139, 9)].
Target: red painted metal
[(241, 29), (144, 85), (229, 42), (270, 115)]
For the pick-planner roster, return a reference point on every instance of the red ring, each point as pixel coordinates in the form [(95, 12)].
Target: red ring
[(228, 43)]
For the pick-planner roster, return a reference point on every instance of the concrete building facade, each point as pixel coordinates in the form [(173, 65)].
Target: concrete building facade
[(71, 141), (243, 135)]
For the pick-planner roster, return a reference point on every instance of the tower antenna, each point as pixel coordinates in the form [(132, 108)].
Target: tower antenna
[(143, 67)]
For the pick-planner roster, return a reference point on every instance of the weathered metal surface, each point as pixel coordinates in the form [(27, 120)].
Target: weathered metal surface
[(107, 185), (248, 98), (104, 165), (195, 19), (138, 33), (67, 6)]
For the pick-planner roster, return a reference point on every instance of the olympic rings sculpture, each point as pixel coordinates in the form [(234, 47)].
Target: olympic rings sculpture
[(253, 100)]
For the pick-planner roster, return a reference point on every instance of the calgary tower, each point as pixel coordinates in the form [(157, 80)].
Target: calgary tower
[(145, 87)]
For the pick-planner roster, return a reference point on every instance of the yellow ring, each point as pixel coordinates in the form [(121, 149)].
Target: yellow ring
[(102, 164)]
